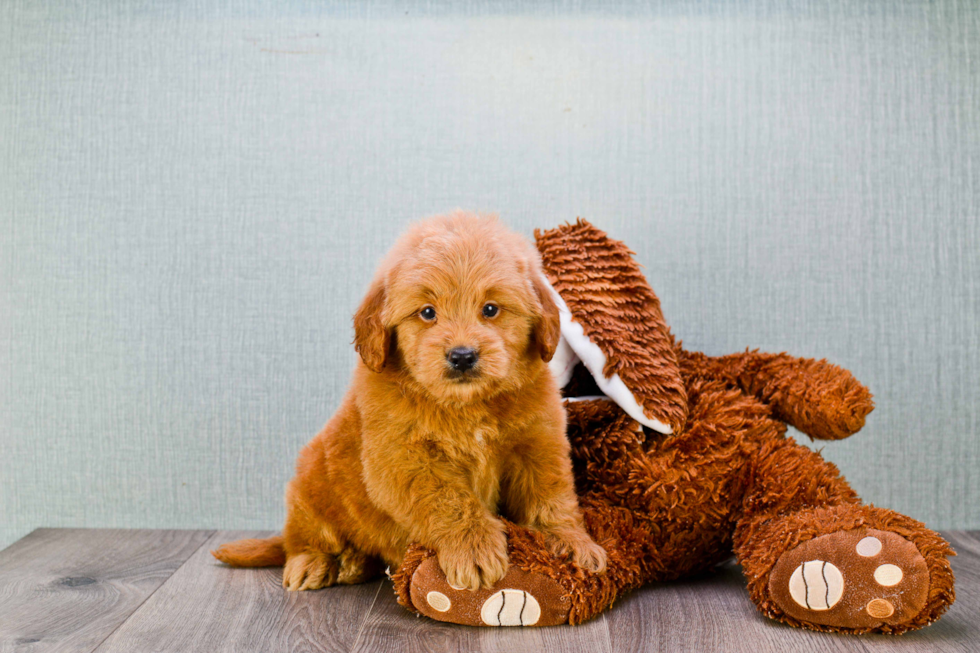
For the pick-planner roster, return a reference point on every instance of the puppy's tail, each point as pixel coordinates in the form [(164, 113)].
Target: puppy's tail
[(252, 553)]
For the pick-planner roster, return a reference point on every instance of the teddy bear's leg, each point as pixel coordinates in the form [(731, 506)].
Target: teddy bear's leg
[(818, 398), (815, 557), (520, 598), (538, 589)]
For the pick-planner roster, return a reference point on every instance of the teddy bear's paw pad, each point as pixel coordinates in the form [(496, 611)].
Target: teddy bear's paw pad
[(510, 607), (520, 598), (863, 578), (816, 585)]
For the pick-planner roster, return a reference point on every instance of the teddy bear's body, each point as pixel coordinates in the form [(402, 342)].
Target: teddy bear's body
[(725, 480)]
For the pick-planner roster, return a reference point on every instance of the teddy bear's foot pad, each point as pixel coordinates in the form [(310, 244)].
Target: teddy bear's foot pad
[(520, 598), (859, 579)]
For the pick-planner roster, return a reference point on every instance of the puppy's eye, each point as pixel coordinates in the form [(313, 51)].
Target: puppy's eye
[(428, 314), (490, 310)]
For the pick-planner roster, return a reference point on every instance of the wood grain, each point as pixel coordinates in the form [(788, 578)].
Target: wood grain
[(207, 606), (110, 590), (67, 590), (712, 613)]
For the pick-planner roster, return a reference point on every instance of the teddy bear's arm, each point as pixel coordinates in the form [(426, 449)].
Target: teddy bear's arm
[(817, 397)]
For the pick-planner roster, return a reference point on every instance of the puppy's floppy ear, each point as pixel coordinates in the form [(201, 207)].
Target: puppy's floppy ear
[(547, 327), (372, 338)]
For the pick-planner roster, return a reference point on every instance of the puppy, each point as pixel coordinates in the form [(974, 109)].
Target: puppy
[(452, 418)]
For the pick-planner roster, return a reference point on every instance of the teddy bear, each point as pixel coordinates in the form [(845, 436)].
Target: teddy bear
[(682, 460)]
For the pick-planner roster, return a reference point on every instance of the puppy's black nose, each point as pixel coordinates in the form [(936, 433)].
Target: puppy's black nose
[(462, 358)]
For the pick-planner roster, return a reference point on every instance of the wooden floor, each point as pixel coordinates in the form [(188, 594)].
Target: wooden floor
[(144, 590)]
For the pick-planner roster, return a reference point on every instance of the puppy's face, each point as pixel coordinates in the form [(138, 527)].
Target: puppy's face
[(463, 303), (464, 329)]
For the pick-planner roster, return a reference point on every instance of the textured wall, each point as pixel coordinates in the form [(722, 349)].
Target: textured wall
[(192, 200)]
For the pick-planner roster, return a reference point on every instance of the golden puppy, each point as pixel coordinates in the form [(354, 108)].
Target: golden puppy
[(452, 416)]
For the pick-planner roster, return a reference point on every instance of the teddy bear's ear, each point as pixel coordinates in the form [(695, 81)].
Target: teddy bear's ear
[(612, 320)]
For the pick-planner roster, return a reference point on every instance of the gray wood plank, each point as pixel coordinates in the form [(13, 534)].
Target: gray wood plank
[(207, 606), (714, 613), (67, 589), (390, 627)]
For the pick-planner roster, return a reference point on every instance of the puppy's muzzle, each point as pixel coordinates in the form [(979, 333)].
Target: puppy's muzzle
[(462, 359)]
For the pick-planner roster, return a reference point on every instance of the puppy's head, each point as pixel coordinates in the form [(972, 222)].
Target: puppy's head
[(460, 305)]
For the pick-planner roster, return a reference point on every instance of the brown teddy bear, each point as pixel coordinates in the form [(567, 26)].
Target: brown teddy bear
[(682, 459)]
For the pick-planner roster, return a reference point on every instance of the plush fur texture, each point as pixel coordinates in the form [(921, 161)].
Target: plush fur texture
[(421, 450), (604, 288), (727, 481)]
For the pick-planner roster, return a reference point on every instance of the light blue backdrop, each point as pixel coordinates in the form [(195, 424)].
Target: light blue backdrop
[(192, 200)]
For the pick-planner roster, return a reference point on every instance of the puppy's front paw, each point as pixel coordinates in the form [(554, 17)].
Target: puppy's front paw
[(309, 571), (477, 560), (584, 551), (590, 556)]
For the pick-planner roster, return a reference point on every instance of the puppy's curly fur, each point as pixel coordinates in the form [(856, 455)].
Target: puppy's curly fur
[(452, 417)]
